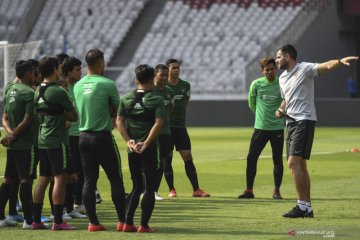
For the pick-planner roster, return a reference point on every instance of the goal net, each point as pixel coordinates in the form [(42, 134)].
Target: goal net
[(10, 53)]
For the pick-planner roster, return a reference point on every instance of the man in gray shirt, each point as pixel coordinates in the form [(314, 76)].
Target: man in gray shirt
[(297, 89)]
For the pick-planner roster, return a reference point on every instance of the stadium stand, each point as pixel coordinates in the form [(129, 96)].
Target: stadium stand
[(83, 25), (216, 41), (11, 13)]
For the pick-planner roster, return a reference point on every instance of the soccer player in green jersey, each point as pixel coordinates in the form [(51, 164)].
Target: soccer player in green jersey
[(54, 108), (180, 136), (161, 77), (264, 98), (140, 119), (17, 122), (71, 71), (97, 100)]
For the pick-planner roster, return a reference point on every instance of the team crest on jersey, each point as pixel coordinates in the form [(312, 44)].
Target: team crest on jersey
[(183, 90), (137, 106)]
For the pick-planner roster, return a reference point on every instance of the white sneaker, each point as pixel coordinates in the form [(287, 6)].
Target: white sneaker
[(7, 223), (65, 217), (27, 226), (80, 208), (157, 197), (76, 214)]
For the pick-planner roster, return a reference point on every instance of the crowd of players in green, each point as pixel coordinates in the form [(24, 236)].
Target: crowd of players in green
[(67, 124)]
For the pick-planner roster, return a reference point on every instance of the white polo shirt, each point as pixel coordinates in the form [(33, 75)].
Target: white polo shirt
[(297, 88)]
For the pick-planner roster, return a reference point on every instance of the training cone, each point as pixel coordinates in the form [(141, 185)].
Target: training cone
[(354, 150)]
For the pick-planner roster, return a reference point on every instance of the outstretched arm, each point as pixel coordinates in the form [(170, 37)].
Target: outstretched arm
[(333, 64)]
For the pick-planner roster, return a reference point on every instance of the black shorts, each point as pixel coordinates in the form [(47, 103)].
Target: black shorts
[(147, 161), (20, 164), (74, 155), (299, 138), (180, 139), (165, 145), (54, 161)]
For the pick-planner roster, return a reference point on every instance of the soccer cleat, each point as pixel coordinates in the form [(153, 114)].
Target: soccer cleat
[(80, 208), (129, 228), (95, 228), (309, 214), (172, 193), (98, 197), (62, 226), (200, 193), (39, 226), (142, 229), (7, 223), (76, 214), (276, 195), (120, 226), (15, 218), (296, 212), (157, 197), (26, 226), (247, 194)]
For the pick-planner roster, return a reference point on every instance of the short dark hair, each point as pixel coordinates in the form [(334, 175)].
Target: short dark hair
[(289, 49), (62, 57), (48, 65), (22, 67), (265, 61), (69, 65), (34, 62), (160, 67), (170, 61), (144, 73), (93, 56)]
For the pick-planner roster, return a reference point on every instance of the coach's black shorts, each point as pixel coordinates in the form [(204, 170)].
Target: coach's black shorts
[(180, 138), (165, 145), (299, 139), (20, 164), (54, 161)]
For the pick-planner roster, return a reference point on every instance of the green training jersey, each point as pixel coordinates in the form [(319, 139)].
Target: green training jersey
[(18, 101), (264, 98), (181, 97), (74, 127), (94, 96), (168, 95), (52, 128), (140, 109)]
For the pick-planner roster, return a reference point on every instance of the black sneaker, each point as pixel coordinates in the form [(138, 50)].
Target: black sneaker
[(247, 194), (296, 212), (309, 214)]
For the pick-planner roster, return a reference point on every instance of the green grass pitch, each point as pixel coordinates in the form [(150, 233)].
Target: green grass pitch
[(220, 158)]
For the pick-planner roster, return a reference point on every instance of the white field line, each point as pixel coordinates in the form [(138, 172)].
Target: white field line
[(265, 156)]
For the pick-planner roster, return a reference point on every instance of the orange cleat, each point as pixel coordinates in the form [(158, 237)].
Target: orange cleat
[(200, 193), (172, 193), (129, 228), (142, 229), (95, 228)]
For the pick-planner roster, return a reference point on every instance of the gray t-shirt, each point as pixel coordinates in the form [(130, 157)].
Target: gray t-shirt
[(297, 88)]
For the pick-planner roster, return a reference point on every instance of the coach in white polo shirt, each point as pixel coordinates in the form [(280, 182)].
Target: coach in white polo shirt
[(297, 89)]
